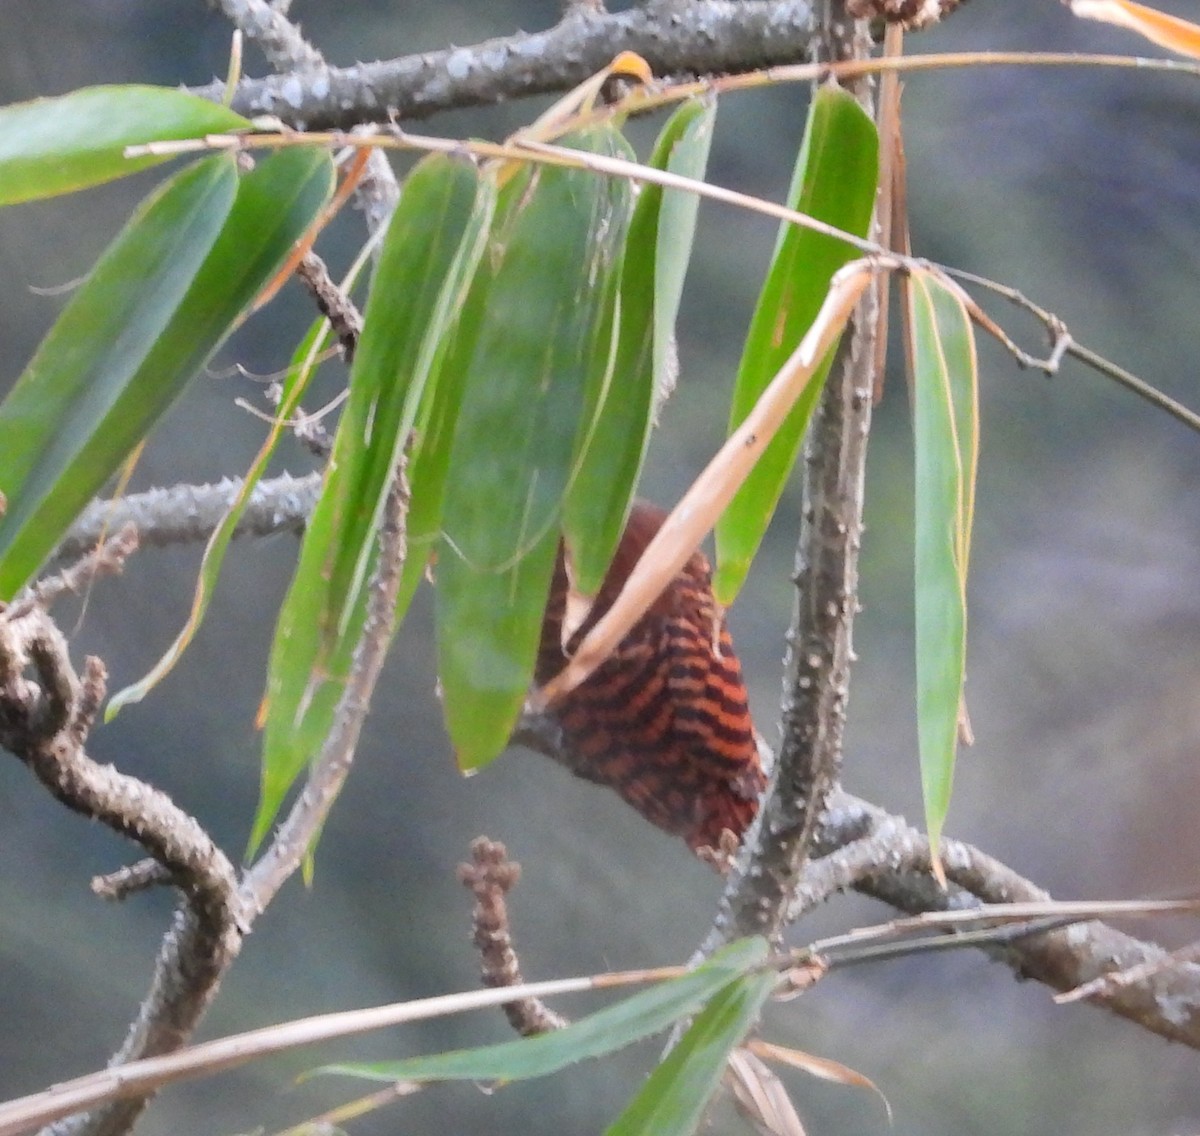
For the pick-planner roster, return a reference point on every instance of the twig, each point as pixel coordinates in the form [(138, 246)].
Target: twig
[(46, 712), (1063, 343), (106, 558), (715, 37), (1108, 984), (125, 881), (1132, 383), (188, 514), (491, 875), (332, 302), (328, 772), (819, 639)]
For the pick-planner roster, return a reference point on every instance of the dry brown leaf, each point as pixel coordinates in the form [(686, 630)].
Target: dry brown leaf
[(802, 977), (1170, 32), (760, 1096), (698, 509), (823, 1068)]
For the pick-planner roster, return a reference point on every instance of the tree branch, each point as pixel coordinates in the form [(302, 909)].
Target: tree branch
[(187, 514), (207, 931), (817, 671), (890, 860), (328, 772), (46, 713), (859, 846), (701, 37), (104, 557)]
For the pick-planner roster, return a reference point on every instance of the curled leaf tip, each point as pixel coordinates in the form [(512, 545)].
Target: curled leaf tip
[(631, 64)]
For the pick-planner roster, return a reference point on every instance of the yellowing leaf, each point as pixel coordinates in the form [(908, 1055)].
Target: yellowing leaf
[(1171, 32)]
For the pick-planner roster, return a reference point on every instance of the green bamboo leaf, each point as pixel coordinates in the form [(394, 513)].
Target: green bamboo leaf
[(835, 181), (300, 372), (674, 1097), (54, 424), (429, 465), (946, 429), (686, 139), (642, 1015), (434, 242), (514, 444), (306, 360), (437, 417), (151, 314), (621, 396), (59, 145)]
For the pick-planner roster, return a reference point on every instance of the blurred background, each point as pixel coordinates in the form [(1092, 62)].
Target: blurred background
[(1079, 187)]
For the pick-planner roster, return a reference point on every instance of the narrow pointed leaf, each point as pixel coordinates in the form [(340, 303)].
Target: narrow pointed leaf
[(674, 1097), (302, 369), (515, 440), (686, 140), (946, 428), (306, 360), (437, 417), (632, 1019), (57, 452), (59, 145), (434, 241), (656, 255), (835, 181), (136, 332)]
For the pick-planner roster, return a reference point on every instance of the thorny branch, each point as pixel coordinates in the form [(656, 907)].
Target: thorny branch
[(332, 765), (859, 846), (46, 714), (705, 37), (46, 709), (817, 669), (50, 718)]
